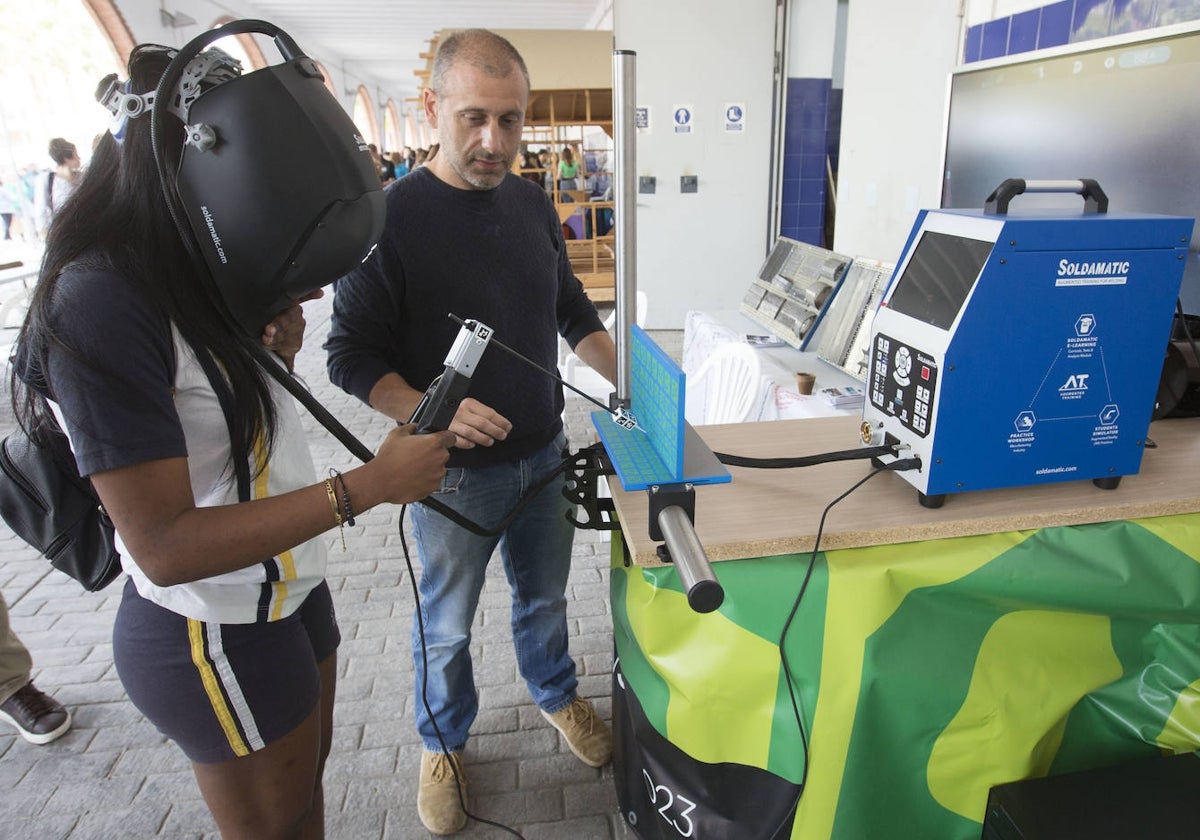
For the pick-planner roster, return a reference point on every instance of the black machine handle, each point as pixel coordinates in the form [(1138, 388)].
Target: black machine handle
[(1094, 199)]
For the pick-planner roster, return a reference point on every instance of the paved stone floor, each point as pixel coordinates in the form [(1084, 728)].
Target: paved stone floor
[(114, 776)]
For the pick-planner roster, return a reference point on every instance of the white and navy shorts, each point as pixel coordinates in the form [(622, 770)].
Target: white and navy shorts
[(223, 690)]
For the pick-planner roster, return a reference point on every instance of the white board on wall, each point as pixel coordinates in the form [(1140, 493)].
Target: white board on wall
[(898, 64), (699, 250)]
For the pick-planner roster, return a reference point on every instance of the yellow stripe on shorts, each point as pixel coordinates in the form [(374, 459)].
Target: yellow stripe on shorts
[(212, 687), (287, 563)]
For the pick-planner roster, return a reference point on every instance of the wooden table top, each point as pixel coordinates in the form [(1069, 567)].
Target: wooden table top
[(769, 512)]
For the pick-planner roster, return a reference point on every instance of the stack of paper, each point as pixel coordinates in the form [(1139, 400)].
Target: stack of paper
[(845, 396)]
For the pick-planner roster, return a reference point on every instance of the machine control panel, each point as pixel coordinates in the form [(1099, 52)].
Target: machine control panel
[(903, 383)]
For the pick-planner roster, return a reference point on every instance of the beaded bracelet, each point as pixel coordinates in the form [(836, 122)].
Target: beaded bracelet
[(345, 496)]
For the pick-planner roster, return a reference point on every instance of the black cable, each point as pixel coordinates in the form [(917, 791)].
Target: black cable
[(457, 518), (1176, 398), (360, 451), (806, 460), (536, 366), (458, 783), (1186, 331), (896, 466)]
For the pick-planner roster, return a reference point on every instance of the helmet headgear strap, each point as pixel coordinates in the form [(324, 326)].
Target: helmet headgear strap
[(208, 69)]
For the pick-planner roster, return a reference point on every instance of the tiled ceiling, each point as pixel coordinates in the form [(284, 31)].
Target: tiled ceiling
[(381, 41)]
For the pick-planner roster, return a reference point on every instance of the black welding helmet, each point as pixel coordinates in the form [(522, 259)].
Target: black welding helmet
[(275, 187)]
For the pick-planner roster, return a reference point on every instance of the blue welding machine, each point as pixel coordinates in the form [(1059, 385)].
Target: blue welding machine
[(1013, 349)]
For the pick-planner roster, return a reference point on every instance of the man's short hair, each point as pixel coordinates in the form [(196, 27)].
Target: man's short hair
[(62, 151), (482, 49)]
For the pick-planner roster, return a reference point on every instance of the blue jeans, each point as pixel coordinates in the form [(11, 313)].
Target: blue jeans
[(536, 552)]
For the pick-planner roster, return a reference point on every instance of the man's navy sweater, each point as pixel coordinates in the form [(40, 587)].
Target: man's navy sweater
[(496, 256)]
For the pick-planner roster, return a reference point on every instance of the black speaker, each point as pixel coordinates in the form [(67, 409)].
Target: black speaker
[(1152, 799), (1179, 387)]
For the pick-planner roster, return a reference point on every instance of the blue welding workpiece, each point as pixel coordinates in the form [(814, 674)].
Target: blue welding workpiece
[(663, 448)]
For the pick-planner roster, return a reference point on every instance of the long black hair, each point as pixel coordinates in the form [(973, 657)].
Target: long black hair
[(118, 220)]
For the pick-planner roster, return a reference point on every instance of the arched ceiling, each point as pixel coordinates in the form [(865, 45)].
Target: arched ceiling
[(388, 40)]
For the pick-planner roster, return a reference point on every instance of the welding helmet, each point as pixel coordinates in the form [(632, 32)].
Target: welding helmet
[(275, 189)]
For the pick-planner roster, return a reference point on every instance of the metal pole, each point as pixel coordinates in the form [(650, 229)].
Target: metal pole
[(704, 592), (625, 203)]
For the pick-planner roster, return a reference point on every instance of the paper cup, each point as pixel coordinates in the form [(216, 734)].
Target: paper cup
[(805, 382)]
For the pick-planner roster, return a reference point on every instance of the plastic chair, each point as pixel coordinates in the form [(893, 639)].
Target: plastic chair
[(16, 300), (726, 388), (576, 371)]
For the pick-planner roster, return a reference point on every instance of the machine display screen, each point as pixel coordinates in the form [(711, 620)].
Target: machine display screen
[(938, 277)]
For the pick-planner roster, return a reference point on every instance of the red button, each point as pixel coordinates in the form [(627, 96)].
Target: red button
[(925, 373)]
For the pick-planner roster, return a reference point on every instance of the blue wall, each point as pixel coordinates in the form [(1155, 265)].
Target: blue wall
[(812, 130), (814, 106), (1070, 21)]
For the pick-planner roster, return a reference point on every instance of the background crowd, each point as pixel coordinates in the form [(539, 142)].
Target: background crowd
[(567, 169)]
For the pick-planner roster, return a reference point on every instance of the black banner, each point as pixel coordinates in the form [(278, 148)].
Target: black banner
[(665, 794)]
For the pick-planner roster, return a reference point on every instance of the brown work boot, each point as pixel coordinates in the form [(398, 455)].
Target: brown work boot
[(586, 734), (438, 803)]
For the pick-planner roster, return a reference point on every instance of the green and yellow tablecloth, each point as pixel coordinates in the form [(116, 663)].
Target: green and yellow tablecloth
[(925, 673)]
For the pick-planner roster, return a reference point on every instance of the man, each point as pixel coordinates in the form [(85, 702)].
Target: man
[(8, 209), (399, 164), (59, 182), (36, 716), (464, 236)]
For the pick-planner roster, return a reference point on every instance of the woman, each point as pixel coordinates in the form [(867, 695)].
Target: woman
[(530, 168), (549, 170), (568, 170), (225, 637)]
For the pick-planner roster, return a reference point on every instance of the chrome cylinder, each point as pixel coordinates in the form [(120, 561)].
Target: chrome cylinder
[(704, 592), (625, 210)]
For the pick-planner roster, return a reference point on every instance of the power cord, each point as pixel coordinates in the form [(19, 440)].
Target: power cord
[(477, 529), (805, 460), (1183, 324), (896, 466), (458, 782)]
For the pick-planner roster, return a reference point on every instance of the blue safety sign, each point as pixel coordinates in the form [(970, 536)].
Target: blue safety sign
[(735, 117), (683, 116)]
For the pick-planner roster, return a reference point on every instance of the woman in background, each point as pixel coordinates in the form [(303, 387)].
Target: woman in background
[(568, 170), (530, 169), (546, 159)]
